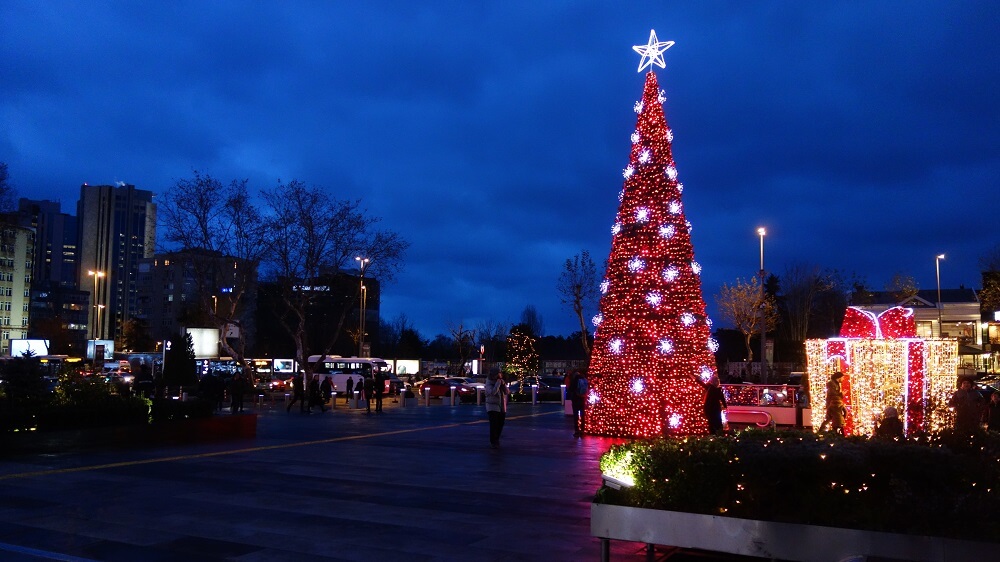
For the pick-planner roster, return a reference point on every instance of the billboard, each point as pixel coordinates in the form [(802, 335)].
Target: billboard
[(32, 347), (206, 342)]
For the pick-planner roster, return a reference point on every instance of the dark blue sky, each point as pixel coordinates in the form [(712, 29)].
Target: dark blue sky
[(864, 135)]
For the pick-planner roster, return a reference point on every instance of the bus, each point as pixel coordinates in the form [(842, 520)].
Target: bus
[(340, 368)]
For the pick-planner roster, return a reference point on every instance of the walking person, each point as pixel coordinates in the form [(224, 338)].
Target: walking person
[(298, 394), (350, 389), (315, 398), (578, 398), (369, 386), (237, 386), (379, 391), (715, 403), (497, 394), (326, 389), (835, 410), (968, 406), (993, 412)]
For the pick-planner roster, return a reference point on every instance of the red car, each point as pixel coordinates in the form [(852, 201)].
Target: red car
[(442, 388)]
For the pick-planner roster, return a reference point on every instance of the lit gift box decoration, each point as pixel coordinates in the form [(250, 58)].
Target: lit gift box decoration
[(884, 364)]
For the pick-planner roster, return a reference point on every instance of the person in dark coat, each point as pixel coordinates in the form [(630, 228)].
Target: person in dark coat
[(578, 398), (836, 412), (369, 390), (326, 388), (715, 403), (890, 428), (993, 412), (379, 388), (350, 388), (298, 394), (237, 386), (315, 397), (968, 405)]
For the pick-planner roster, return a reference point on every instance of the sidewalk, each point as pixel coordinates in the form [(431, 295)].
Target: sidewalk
[(416, 483)]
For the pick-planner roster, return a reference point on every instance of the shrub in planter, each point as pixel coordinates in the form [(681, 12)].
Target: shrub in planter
[(165, 409), (945, 485)]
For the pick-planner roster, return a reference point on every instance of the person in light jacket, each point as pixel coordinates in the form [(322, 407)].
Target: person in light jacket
[(497, 394)]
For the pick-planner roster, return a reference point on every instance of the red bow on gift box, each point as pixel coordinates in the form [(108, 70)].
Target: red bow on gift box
[(897, 322)]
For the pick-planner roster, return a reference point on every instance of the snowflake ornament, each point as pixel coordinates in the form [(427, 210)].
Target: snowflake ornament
[(696, 267), (666, 346), (642, 214), (627, 172), (616, 345), (637, 386), (636, 137), (645, 156), (654, 298), (616, 228), (636, 265), (674, 421), (667, 231), (713, 345), (670, 132), (671, 173), (706, 373), (604, 286), (638, 107), (597, 319), (680, 187), (674, 207), (687, 319), (670, 274), (661, 97)]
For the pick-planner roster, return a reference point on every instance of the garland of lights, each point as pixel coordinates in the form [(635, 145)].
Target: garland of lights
[(652, 333), (884, 364)]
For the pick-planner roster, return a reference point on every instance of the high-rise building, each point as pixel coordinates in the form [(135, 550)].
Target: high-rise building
[(58, 309), (117, 230)]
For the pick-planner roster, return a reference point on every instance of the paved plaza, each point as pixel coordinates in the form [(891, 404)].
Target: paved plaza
[(415, 483)]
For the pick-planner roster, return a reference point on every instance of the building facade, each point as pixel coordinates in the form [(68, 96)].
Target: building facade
[(117, 226), (17, 249)]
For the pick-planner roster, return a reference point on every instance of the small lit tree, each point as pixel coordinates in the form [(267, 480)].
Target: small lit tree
[(522, 359)]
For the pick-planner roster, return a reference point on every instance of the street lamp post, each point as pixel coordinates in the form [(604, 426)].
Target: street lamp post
[(937, 269), (763, 324), (97, 307), (362, 265)]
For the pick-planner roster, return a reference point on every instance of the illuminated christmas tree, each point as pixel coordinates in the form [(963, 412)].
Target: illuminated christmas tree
[(653, 336)]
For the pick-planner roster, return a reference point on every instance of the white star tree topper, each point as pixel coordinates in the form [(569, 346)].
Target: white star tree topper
[(652, 52)]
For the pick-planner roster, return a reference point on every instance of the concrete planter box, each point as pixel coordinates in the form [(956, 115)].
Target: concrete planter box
[(219, 427), (785, 541)]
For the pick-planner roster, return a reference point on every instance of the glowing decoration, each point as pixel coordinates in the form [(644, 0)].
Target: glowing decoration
[(669, 133), (885, 364), (713, 345), (666, 346), (644, 156), (616, 346), (688, 319), (674, 207), (592, 397), (706, 373), (635, 137), (708, 322), (597, 319), (616, 228), (689, 226), (621, 195), (642, 214), (660, 98), (637, 386), (604, 286), (640, 335), (670, 274), (652, 52), (671, 173), (680, 188), (628, 172), (696, 268), (638, 107)]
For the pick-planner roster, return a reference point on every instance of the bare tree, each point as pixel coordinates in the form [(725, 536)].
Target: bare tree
[(802, 284), (464, 340), (492, 335), (532, 320), (226, 237), (742, 304), (315, 237), (578, 289), (901, 287)]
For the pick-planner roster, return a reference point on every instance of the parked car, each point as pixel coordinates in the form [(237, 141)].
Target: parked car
[(442, 387), (469, 381)]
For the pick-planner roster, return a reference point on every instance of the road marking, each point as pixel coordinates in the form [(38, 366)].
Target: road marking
[(35, 473), (42, 553)]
